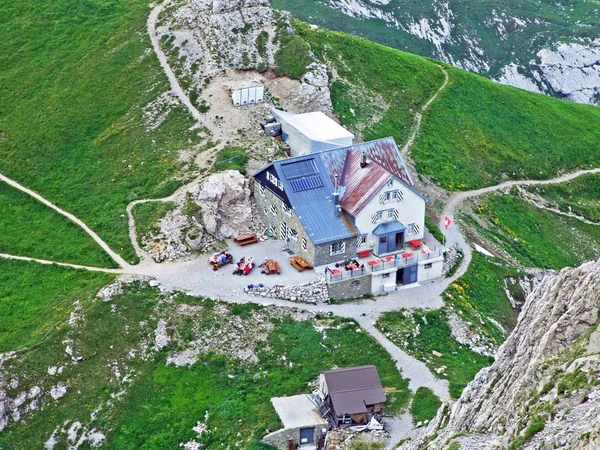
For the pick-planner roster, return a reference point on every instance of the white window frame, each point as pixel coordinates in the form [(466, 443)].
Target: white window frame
[(337, 248), (413, 228), (293, 234), (274, 180), (286, 209), (361, 240)]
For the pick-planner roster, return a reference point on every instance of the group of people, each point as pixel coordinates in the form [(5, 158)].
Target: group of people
[(244, 266), (220, 259), (351, 264)]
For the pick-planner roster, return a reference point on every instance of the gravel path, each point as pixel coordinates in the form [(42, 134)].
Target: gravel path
[(162, 58), (114, 255), (73, 266)]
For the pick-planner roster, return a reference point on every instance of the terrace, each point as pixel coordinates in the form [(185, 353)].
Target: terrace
[(362, 265)]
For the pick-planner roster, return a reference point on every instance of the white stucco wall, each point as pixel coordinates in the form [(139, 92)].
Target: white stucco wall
[(435, 271), (411, 209)]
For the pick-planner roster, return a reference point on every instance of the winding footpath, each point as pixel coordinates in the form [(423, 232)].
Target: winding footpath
[(177, 275), (419, 116)]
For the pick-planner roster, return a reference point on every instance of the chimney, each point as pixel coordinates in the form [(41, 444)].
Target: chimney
[(336, 198), (363, 160)]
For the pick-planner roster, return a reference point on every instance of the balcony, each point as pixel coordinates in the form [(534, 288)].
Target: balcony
[(371, 264)]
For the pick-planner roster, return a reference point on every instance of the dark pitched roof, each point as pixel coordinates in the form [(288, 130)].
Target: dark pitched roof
[(354, 388)]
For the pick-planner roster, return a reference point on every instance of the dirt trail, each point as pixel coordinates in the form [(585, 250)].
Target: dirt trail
[(114, 255), (73, 266), (162, 58), (419, 116)]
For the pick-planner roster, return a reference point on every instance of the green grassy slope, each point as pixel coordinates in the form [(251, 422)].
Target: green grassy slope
[(476, 133), (35, 300), (377, 89), (159, 404), (30, 228), (580, 196), (75, 77), (489, 25), (535, 237), (479, 133)]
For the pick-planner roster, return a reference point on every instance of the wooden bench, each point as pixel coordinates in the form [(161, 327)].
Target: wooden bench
[(299, 264), (246, 239), (271, 267)]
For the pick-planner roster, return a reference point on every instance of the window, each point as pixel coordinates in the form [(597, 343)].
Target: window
[(266, 211), (337, 247), (428, 266), (385, 275), (413, 228), (287, 209), (390, 183), (274, 180), (283, 231), (293, 235), (377, 217), (272, 230), (274, 209), (304, 244), (391, 196), (390, 213), (362, 240), (261, 189)]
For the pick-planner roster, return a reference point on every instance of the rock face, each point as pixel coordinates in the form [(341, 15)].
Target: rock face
[(224, 199), (549, 48), (545, 375)]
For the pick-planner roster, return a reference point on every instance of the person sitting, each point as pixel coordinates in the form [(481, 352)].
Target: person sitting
[(223, 258)]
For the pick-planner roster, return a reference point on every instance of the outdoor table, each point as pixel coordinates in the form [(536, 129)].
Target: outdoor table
[(372, 262), (407, 255), (415, 243)]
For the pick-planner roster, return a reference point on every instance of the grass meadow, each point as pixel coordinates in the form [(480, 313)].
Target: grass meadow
[(76, 78)]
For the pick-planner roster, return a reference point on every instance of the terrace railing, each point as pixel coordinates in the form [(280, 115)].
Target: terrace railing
[(340, 273)]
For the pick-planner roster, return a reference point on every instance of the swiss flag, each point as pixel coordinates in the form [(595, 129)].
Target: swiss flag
[(447, 221)]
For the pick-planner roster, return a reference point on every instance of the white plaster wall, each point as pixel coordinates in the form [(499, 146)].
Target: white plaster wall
[(411, 209), (378, 281), (435, 271)]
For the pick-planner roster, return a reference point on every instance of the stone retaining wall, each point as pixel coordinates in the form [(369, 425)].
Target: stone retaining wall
[(312, 292), (350, 288)]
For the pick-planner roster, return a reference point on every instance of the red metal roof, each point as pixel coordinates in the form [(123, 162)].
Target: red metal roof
[(361, 183)]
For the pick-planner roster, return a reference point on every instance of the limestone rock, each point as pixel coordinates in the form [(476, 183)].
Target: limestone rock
[(534, 372)]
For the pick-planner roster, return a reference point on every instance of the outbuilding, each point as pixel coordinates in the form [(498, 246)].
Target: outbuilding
[(311, 132), (302, 423), (353, 395)]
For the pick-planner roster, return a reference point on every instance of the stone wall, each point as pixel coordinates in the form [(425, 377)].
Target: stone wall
[(311, 292), (322, 256), (351, 288), (281, 438), (264, 199)]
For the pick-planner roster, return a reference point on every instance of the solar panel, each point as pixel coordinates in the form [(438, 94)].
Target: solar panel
[(304, 184), (299, 169)]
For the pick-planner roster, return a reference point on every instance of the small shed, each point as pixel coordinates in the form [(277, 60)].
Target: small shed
[(311, 132), (302, 423), (354, 395)]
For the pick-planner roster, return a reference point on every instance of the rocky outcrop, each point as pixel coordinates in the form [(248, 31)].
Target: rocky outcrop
[(544, 49), (545, 376), (224, 199)]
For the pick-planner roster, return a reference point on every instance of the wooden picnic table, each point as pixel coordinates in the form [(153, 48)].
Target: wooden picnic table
[(271, 267), (299, 264), (246, 239)]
